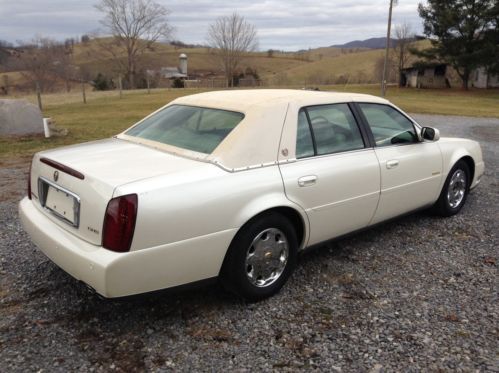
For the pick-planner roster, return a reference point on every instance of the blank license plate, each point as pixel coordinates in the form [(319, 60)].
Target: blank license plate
[(62, 203)]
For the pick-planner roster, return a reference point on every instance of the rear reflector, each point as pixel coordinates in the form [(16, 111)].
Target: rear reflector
[(63, 168), (119, 223)]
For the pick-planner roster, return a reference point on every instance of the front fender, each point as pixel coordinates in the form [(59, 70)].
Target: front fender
[(454, 149)]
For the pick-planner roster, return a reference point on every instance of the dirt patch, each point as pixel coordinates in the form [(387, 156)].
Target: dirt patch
[(13, 179)]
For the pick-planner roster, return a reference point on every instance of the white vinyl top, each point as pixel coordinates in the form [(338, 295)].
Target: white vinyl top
[(242, 100), (255, 140)]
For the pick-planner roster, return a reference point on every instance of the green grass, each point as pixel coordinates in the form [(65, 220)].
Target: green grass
[(105, 114), (472, 103), (99, 118)]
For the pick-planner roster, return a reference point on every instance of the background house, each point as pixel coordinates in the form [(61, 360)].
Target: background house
[(426, 75), (480, 78)]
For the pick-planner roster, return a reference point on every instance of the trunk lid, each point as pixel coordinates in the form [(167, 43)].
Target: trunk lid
[(78, 205)]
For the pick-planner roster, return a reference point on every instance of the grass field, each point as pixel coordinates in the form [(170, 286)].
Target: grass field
[(320, 65), (105, 114)]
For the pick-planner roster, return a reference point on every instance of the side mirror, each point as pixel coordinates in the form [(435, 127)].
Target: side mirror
[(429, 133)]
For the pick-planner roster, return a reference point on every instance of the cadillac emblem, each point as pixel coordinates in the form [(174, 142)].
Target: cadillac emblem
[(56, 175)]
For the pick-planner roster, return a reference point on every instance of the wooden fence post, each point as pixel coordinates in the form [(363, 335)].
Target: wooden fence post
[(39, 95), (83, 91), (120, 86)]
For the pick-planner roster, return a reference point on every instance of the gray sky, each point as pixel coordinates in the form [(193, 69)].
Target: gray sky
[(281, 24)]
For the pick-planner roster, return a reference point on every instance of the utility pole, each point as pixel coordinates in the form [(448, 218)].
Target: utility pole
[(388, 35)]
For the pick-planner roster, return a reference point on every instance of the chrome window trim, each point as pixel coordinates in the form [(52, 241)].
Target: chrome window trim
[(331, 154)]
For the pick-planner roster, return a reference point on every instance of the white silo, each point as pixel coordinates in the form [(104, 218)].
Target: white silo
[(182, 63)]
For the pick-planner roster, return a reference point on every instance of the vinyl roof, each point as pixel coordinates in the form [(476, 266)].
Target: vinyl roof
[(255, 140), (242, 100)]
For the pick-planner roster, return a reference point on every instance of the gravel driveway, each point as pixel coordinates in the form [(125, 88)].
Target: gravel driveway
[(416, 294)]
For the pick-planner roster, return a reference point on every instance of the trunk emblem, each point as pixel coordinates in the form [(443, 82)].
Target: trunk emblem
[(56, 175)]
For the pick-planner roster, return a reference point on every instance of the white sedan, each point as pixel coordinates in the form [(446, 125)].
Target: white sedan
[(233, 184)]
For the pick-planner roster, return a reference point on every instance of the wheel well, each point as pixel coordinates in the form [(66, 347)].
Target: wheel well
[(295, 219), (471, 165), (293, 216)]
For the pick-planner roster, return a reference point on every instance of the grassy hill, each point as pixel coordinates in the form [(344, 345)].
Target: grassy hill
[(320, 66), (356, 67), (200, 59), (315, 66)]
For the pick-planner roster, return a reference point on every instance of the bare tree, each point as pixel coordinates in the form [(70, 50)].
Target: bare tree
[(231, 37), (5, 52), (37, 61), (64, 66), (404, 38), (379, 66), (135, 26)]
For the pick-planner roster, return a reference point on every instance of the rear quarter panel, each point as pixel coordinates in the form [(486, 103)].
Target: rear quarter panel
[(198, 207)]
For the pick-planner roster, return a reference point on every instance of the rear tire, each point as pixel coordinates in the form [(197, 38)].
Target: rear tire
[(261, 257), (455, 190)]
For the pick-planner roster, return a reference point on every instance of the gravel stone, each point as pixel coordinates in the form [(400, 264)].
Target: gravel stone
[(416, 294)]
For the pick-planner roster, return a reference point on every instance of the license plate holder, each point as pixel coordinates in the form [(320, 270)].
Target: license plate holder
[(60, 202)]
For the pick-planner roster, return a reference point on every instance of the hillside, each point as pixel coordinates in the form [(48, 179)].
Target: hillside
[(200, 60), (327, 65), (356, 67), (372, 43), (314, 66)]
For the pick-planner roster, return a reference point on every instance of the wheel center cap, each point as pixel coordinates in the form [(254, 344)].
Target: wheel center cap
[(268, 255)]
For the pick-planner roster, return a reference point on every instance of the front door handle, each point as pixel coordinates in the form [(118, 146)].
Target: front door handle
[(392, 164), (307, 180)]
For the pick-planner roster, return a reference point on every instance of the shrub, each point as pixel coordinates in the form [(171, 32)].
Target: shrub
[(102, 83)]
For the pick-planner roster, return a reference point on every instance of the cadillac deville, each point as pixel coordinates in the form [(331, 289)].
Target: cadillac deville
[(233, 185)]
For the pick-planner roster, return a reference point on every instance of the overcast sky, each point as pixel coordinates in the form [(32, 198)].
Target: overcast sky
[(281, 24)]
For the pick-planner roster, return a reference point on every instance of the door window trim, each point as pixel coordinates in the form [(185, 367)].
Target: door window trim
[(336, 154), (312, 134), (363, 133), (367, 127)]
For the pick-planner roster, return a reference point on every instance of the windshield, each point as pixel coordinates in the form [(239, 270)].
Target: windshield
[(193, 128)]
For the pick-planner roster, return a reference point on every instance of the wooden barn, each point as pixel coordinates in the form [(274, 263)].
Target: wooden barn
[(422, 75)]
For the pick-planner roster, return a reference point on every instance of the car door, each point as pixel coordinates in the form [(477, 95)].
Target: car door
[(335, 177), (411, 170)]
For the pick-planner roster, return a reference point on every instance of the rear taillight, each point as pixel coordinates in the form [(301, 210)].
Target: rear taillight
[(29, 180), (119, 223)]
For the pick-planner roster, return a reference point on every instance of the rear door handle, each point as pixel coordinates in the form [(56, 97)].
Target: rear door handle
[(307, 180), (392, 164)]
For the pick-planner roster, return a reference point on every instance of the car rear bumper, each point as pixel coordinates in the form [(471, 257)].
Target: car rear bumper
[(121, 274), (82, 260)]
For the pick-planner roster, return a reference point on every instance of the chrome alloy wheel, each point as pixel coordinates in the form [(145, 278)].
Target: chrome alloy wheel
[(457, 188), (266, 257)]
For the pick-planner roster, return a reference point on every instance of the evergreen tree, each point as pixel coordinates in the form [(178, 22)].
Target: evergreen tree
[(463, 33)]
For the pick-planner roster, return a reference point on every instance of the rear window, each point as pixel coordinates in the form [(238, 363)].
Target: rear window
[(188, 127)]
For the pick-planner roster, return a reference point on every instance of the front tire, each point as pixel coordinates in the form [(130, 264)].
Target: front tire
[(455, 190), (261, 257)]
